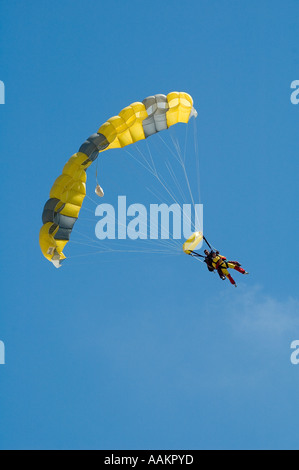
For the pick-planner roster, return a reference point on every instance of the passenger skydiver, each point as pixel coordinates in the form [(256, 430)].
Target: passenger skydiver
[(215, 261)]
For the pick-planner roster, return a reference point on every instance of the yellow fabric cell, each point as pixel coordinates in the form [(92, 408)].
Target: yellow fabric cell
[(71, 210), (180, 107), (60, 245), (60, 186), (46, 241), (128, 115), (119, 124), (76, 175), (63, 185), (74, 197), (133, 116), (172, 114), (78, 158), (185, 108), (186, 99), (79, 187), (137, 132), (123, 136), (172, 117), (48, 244), (75, 168), (139, 110), (108, 130), (173, 99)]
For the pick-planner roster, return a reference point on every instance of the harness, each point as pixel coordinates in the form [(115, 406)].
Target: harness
[(209, 262), (219, 262)]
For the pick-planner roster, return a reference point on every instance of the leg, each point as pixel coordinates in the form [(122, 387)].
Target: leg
[(236, 267), (226, 273), (240, 270), (221, 275), (232, 281)]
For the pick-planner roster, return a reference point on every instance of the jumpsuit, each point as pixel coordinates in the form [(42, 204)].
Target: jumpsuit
[(220, 263)]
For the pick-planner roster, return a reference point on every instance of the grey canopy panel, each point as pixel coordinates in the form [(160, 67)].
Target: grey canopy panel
[(93, 145), (156, 107), (64, 222)]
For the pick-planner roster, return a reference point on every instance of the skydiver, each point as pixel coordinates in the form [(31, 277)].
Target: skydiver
[(220, 263)]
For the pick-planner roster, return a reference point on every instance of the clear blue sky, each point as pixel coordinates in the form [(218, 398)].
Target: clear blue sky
[(145, 351)]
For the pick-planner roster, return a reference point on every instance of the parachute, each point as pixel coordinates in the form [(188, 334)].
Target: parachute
[(134, 123), (192, 242)]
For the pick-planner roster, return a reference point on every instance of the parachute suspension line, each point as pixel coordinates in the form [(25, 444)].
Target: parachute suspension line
[(196, 151), (90, 198), (140, 163), (176, 242), (162, 248), (197, 257), (186, 139), (182, 160), (169, 148), (207, 243), (161, 181), (123, 251), (175, 180), (171, 195), (86, 209), (178, 158), (90, 239), (153, 171), (162, 245), (171, 245), (151, 157), (144, 157), (97, 167), (151, 168)]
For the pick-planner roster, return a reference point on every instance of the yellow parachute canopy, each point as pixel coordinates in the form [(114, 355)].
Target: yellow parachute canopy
[(192, 242), (134, 123)]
